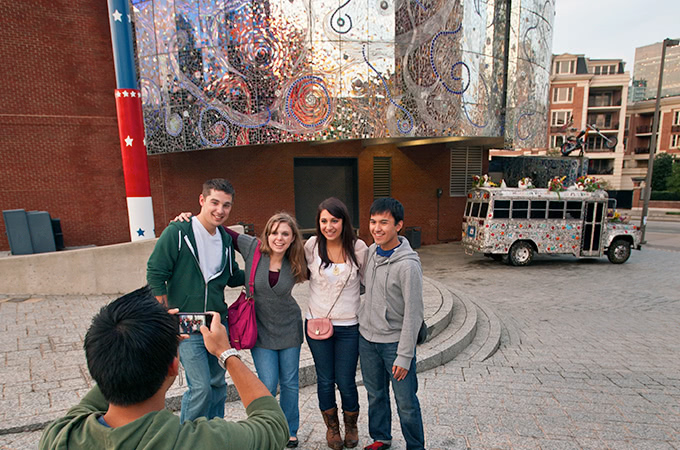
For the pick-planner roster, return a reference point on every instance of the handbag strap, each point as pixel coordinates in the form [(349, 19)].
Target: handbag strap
[(253, 269), (336, 298)]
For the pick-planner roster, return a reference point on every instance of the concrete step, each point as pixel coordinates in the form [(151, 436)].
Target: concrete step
[(451, 318)]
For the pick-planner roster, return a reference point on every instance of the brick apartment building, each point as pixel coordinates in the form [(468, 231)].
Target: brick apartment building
[(591, 91), (60, 147), (639, 134)]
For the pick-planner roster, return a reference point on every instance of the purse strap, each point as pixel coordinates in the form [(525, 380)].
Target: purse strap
[(336, 298), (253, 269)]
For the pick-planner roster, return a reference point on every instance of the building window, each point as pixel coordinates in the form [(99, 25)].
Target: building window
[(676, 117), (556, 140), (675, 140), (600, 167), (560, 118), (564, 66), (465, 162), (563, 94)]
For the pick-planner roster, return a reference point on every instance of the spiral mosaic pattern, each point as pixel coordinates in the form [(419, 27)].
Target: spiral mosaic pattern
[(308, 101)]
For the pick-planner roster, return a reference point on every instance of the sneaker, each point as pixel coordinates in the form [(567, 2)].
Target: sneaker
[(377, 445)]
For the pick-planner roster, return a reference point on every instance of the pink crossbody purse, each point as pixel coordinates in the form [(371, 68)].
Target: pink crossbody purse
[(322, 328)]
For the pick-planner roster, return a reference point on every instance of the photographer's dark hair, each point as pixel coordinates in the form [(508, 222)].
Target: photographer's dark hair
[(218, 184), (390, 205), (338, 210), (129, 347)]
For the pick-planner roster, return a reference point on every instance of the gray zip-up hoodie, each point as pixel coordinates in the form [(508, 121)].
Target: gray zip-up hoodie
[(392, 308)]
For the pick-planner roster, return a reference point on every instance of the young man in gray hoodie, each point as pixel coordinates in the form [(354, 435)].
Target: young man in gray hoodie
[(389, 319)]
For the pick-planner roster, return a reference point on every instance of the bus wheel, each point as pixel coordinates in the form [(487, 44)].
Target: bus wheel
[(521, 253), (619, 251)]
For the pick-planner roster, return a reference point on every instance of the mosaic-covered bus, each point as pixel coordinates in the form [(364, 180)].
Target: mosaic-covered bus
[(515, 224)]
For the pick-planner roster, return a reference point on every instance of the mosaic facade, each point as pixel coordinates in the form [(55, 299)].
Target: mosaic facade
[(216, 73)]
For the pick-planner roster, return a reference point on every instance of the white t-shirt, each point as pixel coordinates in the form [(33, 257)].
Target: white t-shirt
[(209, 249)]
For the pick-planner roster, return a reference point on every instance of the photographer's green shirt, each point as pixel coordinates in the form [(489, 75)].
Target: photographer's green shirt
[(264, 429)]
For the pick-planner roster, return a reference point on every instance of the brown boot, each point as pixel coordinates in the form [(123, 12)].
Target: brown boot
[(333, 432), (351, 430)]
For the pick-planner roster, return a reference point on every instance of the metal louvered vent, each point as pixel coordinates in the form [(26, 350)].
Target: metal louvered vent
[(465, 162), (382, 176)]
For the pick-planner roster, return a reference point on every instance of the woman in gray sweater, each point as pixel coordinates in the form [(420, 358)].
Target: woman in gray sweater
[(279, 320)]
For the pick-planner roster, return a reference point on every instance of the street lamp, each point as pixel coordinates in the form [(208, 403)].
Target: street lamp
[(647, 192)]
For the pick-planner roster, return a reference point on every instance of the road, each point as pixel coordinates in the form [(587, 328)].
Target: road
[(663, 235)]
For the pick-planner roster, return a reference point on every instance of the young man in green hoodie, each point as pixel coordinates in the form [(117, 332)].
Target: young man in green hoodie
[(390, 317), (188, 269), (131, 352)]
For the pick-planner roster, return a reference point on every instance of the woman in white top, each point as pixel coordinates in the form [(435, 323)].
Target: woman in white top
[(335, 259)]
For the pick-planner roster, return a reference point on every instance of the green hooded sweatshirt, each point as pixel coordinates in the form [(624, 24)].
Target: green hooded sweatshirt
[(264, 429), (174, 261)]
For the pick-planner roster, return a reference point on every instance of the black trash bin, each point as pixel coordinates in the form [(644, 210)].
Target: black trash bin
[(413, 236), (58, 235)]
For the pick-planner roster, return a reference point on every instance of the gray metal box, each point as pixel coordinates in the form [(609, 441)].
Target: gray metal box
[(18, 233), (42, 235)]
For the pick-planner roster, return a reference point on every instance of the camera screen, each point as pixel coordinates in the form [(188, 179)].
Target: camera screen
[(190, 323)]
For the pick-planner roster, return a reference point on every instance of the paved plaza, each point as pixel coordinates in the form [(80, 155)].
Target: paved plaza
[(588, 358)]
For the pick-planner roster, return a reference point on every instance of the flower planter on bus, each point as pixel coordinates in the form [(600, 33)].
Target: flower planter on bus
[(518, 223)]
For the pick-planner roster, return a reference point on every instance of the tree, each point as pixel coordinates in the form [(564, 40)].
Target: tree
[(673, 181), (663, 167)]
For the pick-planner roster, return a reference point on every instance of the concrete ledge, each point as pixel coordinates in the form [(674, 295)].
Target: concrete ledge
[(109, 269)]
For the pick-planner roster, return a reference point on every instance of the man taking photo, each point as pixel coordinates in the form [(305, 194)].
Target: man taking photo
[(131, 351)]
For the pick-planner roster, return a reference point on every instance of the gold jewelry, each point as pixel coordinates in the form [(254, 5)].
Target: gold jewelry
[(336, 270)]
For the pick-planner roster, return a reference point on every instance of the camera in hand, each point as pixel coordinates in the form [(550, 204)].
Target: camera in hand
[(190, 323)]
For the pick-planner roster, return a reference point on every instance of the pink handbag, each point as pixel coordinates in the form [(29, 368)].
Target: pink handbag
[(322, 328), (241, 315)]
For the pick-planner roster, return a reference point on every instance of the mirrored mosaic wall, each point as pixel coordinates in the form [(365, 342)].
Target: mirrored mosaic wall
[(235, 72)]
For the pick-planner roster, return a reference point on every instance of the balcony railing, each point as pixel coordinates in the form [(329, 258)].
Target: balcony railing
[(643, 129), (675, 129), (600, 150), (594, 102), (600, 171), (604, 126), (641, 150)]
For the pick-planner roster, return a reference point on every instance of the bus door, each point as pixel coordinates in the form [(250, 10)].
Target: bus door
[(591, 240)]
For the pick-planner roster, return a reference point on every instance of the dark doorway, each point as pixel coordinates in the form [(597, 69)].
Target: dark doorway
[(316, 179)]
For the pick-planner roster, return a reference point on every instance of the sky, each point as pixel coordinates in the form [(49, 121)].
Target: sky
[(603, 29)]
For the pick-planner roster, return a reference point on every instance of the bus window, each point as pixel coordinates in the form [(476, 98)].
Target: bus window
[(467, 208), (538, 208), (574, 210), (483, 210), (475, 210), (556, 210), (520, 209), (501, 209)]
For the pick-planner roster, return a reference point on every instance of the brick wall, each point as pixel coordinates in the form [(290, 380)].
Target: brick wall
[(263, 177), (59, 142)]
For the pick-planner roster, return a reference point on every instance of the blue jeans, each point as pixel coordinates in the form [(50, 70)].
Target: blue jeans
[(335, 360), (376, 366), (207, 388), (281, 367)]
